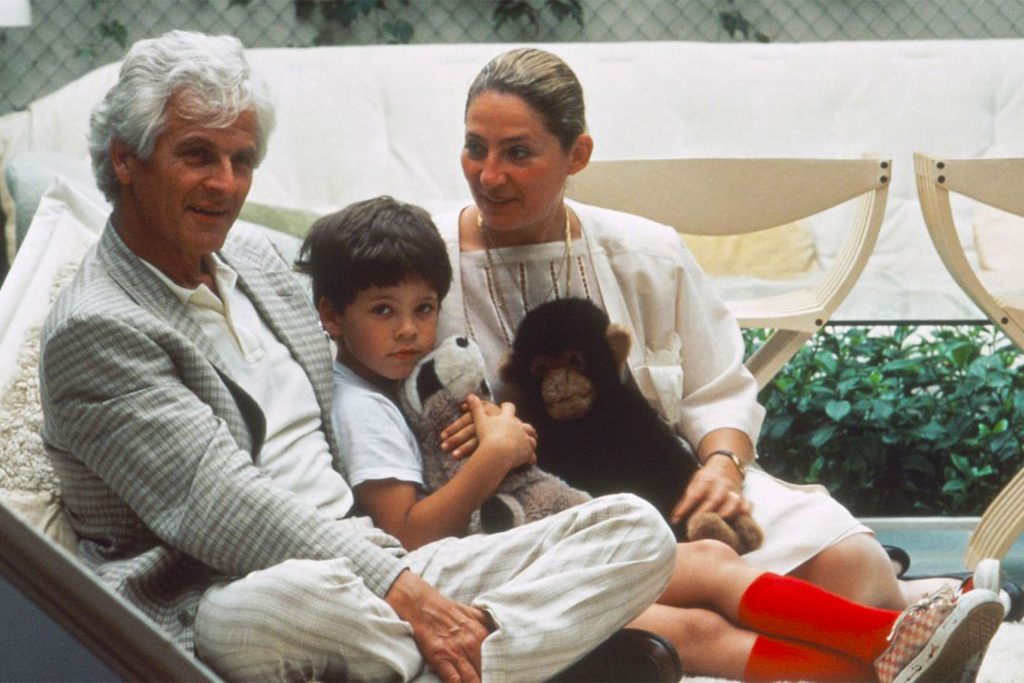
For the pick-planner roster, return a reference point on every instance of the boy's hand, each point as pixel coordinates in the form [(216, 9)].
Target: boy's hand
[(503, 432), (459, 438)]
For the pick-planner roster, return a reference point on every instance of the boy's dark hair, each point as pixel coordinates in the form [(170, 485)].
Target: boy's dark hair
[(377, 242)]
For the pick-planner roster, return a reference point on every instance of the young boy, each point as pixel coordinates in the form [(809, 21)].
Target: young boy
[(380, 271)]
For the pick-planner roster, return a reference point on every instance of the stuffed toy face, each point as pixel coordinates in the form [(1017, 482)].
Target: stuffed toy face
[(567, 392), (454, 369)]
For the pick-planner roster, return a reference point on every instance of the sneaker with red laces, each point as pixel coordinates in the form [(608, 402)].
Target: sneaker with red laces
[(941, 637)]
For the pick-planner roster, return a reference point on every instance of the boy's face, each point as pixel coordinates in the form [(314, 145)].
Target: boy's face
[(386, 330)]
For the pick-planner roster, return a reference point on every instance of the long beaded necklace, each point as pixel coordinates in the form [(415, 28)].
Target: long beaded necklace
[(505, 320)]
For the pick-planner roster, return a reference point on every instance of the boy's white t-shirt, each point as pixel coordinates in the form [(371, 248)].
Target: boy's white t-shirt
[(373, 437)]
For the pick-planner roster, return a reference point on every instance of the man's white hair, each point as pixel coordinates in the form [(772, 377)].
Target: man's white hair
[(211, 79)]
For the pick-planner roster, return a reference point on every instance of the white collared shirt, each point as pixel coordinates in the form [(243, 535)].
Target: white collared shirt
[(295, 452)]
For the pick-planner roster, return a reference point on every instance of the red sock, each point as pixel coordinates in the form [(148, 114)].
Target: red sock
[(780, 660), (796, 610)]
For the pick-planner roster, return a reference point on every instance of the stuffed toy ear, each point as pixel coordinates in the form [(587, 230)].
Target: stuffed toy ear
[(619, 341)]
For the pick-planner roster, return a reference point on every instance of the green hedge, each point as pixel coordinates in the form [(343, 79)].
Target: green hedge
[(898, 420)]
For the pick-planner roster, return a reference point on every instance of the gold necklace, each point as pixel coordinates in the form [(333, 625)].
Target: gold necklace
[(507, 326)]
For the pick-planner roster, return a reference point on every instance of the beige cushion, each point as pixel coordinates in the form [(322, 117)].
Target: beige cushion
[(66, 223), (24, 465), (999, 239), (783, 252)]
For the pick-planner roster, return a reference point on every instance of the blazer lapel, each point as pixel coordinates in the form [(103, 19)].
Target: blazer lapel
[(139, 282), (150, 293)]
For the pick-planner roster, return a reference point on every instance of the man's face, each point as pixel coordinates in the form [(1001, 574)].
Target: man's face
[(178, 205)]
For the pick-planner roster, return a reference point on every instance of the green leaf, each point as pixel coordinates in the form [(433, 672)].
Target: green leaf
[(961, 463), (837, 410), (901, 364), (954, 486), (960, 353), (821, 435), (930, 432), (918, 463), (882, 410), (826, 361), (917, 397)]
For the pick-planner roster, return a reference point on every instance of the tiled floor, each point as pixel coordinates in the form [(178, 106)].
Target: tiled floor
[(939, 547)]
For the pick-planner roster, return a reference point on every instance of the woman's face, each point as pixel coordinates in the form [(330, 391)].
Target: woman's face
[(516, 168)]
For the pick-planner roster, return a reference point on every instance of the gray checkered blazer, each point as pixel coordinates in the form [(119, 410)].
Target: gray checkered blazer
[(153, 441)]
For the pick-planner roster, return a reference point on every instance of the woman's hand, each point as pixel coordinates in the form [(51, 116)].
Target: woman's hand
[(716, 487)]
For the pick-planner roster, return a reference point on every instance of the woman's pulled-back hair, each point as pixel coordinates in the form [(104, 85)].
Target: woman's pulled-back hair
[(544, 82), (211, 79), (377, 242)]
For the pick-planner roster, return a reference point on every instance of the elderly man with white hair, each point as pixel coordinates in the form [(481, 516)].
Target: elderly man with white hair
[(186, 393)]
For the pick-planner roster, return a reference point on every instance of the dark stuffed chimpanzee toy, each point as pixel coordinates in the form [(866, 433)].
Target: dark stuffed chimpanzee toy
[(595, 430), (431, 398)]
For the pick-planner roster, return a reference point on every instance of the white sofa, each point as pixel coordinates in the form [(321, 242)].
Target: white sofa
[(359, 121)]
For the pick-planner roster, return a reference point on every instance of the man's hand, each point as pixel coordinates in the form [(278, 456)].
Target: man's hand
[(449, 635), (715, 487)]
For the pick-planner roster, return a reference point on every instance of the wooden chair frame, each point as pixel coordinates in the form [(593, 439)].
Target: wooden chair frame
[(997, 183), (740, 196)]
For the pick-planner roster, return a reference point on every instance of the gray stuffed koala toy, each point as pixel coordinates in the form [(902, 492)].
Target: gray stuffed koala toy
[(431, 398)]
